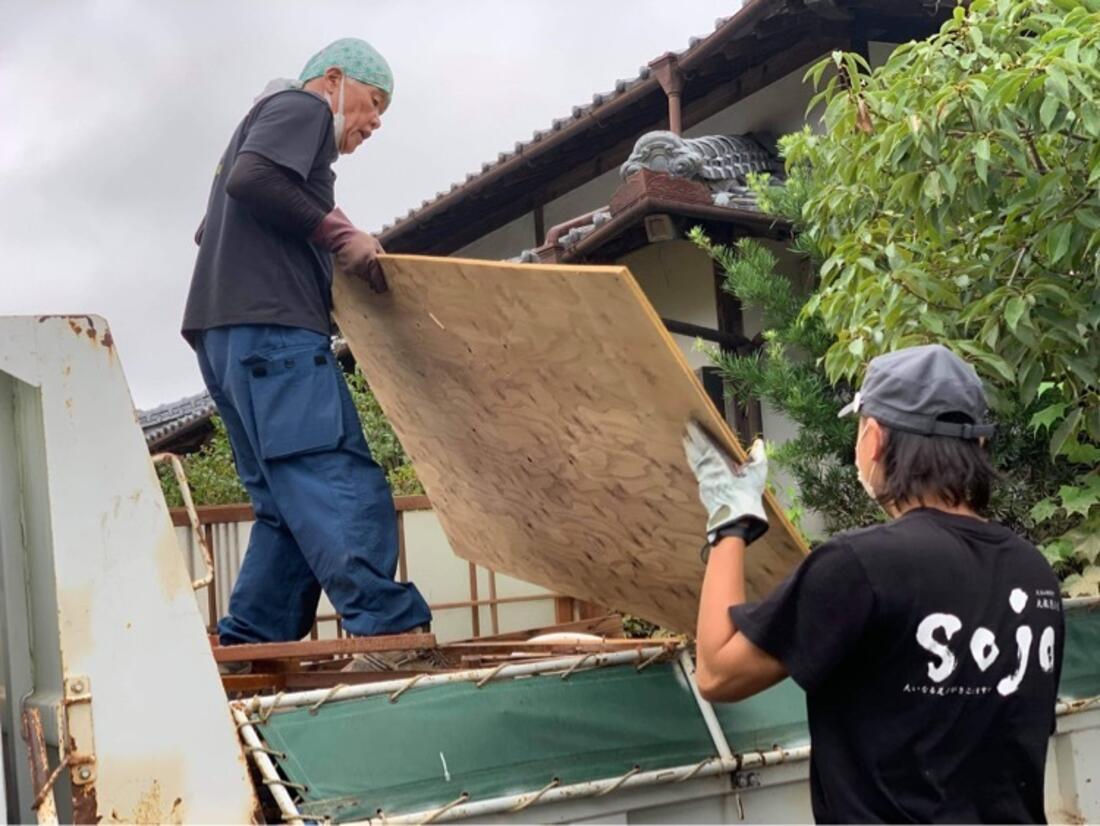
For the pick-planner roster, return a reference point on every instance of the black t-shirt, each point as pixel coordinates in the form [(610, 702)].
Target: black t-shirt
[(930, 650), (248, 271)]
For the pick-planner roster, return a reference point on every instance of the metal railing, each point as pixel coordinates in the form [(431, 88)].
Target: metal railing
[(566, 609)]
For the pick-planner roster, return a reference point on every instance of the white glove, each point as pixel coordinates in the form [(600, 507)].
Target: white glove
[(732, 494)]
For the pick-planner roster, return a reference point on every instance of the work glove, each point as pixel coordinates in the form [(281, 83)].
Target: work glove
[(733, 494), (359, 257), (356, 252)]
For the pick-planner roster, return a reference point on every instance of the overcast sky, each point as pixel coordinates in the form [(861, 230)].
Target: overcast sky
[(115, 114)]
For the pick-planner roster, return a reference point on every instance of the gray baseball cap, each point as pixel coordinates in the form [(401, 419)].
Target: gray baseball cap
[(912, 389)]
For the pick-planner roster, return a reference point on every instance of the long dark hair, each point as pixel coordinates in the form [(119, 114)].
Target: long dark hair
[(920, 468)]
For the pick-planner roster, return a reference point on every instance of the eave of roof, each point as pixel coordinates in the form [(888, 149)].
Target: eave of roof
[(761, 223), (175, 418), (512, 184)]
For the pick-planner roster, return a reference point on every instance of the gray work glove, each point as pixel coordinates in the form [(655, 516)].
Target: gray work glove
[(733, 494)]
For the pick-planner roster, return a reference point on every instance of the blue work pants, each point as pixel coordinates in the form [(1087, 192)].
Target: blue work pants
[(325, 516)]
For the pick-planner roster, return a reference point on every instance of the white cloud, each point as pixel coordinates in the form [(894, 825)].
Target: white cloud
[(117, 112)]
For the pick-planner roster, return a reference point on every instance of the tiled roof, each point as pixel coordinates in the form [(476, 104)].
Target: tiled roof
[(599, 100), (162, 422), (762, 41)]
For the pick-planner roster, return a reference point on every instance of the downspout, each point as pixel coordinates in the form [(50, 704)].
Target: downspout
[(667, 70)]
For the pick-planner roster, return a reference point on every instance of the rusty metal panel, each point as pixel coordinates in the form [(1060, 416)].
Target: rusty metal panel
[(103, 561)]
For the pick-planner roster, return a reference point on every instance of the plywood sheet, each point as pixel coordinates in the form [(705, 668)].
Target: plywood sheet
[(543, 408)]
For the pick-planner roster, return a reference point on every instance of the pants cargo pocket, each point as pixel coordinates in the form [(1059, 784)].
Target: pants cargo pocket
[(296, 401)]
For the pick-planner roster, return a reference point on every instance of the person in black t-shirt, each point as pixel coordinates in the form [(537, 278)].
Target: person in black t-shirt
[(258, 316), (929, 647)]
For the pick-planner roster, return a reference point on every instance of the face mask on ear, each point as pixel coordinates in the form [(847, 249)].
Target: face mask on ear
[(870, 491), (866, 485), (338, 116)]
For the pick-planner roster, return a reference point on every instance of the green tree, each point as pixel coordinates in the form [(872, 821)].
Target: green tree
[(384, 445), (951, 197), (213, 476), (786, 373)]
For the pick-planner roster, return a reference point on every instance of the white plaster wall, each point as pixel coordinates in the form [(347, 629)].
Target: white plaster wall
[(504, 242), (677, 278), (513, 238), (878, 52), (586, 197), (777, 109)]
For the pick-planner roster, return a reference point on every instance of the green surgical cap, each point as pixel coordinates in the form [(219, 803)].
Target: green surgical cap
[(358, 59)]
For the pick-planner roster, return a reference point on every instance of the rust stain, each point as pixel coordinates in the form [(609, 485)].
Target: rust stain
[(149, 809), (153, 793), (85, 806), (88, 328), (249, 770), (35, 739)]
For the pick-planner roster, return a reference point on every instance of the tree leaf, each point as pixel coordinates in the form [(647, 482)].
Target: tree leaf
[(1079, 499), (1058, 550), (1088, 217), (1046, 417), (1030, 380), (1048, 111), (1043, 510), (1092, 423), (1058, 239), (1066, 429), (1084, 584), (1014, 311), (1081, 453)]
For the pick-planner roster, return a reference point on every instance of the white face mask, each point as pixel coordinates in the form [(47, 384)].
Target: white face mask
[(338, 116), (866, 484), (864, 481)]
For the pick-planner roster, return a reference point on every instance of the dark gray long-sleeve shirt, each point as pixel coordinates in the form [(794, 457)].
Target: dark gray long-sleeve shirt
[(273, 185)]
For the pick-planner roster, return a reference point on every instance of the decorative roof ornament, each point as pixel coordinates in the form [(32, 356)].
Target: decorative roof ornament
[(722, 162)]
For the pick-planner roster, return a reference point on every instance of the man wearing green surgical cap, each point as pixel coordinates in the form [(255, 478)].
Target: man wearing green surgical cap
[(258, 316)]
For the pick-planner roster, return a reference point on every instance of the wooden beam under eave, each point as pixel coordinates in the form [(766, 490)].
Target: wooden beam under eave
[(540, 223)]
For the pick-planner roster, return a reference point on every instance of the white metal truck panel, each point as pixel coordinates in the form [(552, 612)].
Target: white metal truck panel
[(147, 732)]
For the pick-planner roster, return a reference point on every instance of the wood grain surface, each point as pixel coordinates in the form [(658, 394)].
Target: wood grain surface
[(543, 408)]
